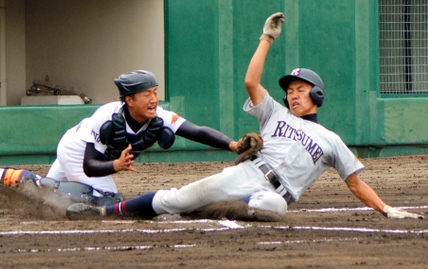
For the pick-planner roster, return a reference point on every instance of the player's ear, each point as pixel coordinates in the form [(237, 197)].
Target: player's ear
[(128, 99)]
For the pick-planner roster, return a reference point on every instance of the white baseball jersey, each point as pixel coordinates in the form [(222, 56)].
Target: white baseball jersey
[(70, 152), (298, 150)]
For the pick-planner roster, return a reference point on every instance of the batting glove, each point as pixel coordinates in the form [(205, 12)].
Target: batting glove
[(394, 213), (272, 27)]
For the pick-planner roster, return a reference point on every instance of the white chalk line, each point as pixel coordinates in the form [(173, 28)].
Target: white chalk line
[(328, 210), (349, 229), (225, 225), (116, 248), (322, 240), (145, 247), (218, 229)]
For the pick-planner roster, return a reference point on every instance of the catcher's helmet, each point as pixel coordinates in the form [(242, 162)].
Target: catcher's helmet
[(135, 81), (317, 92)]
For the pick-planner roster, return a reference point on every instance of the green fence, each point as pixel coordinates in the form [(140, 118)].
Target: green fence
[(30, 134)]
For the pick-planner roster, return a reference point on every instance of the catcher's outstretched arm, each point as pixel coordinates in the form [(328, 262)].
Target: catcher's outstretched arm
[(204, 135)]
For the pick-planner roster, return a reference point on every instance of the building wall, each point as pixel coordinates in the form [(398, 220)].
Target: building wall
[(15, 84), (83, 44)]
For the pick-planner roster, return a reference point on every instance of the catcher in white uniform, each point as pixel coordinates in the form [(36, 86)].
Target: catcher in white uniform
[(110, 140), (295, 152)]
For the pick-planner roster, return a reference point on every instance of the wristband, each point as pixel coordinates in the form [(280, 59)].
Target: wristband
[(267, 37)]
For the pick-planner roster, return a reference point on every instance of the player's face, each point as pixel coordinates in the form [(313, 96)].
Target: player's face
[(299, 100), (142, 105)]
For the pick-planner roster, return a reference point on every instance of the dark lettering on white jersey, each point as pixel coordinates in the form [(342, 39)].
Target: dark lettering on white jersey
[(285, 130), (96, 136)]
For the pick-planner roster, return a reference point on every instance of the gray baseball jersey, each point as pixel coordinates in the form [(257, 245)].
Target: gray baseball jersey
[(299, 151)]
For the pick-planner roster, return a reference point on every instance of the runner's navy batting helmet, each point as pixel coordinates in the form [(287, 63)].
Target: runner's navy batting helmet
[(317, 92), (135, 81)]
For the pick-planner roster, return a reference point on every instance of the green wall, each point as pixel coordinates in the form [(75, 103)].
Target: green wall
[(208, 57), (208, 47), (210, 43), (30, 134)]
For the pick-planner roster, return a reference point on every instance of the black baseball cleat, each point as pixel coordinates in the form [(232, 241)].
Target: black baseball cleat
[(82, 211)]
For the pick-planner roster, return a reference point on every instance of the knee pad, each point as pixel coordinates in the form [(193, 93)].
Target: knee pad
[(268, 201)]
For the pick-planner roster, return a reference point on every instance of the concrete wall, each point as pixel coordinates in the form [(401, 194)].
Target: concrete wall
[(15, 51), (82, 43)]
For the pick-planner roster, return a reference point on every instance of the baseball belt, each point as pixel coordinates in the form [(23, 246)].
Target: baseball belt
[(272, 178)]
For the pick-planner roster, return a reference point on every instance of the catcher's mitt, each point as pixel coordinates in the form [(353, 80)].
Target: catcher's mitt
[(248, 146)]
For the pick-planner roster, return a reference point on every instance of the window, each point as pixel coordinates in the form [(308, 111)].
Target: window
[(403, 44)]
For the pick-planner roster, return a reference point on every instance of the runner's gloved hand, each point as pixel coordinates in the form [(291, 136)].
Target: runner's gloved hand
[(272, 27), (394, 213)]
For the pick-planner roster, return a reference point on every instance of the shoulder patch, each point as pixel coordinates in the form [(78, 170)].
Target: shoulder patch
[(174, 119)]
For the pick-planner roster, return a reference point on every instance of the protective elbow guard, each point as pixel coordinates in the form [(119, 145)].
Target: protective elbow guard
[(166, 138)]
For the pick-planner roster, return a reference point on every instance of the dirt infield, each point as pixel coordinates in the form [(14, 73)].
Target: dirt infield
[(327, 228)]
